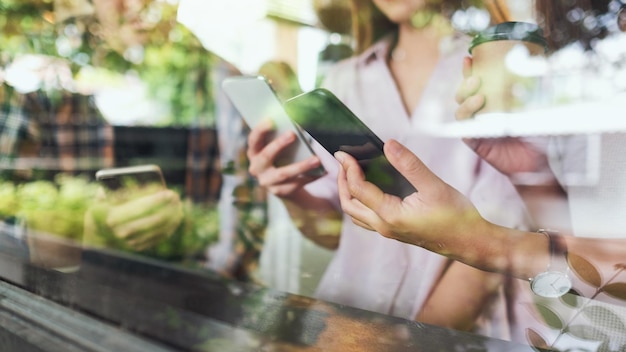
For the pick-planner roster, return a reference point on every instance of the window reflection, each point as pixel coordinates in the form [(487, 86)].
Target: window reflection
[(97, 85)]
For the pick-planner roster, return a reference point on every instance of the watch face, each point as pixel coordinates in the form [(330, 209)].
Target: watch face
[(551, 284)]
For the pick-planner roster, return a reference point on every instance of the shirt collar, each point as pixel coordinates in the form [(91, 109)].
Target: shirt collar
[(378, 51)]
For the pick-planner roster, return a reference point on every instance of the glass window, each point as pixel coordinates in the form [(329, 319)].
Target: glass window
[(137, 201)]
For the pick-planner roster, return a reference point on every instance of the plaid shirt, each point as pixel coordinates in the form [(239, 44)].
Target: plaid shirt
[(66, 131), (14, 124)]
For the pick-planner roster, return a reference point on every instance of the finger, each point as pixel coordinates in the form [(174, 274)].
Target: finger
[(358, 188), (133, 228), (363, 225), (264, 159), (257, 138), (349, 205), (292, 172), (468, 88), (467, 66), (412, 168), (342, 184), (139, 207), (470, 107), (360, 214), (152, 237)]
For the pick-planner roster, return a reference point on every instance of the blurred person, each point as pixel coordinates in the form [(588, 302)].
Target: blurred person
[(594, 261), (404, 74)]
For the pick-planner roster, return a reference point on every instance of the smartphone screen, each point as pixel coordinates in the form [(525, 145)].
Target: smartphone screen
[(336, 128)]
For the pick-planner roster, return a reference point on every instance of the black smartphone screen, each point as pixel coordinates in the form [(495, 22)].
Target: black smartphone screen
[(336, 128)]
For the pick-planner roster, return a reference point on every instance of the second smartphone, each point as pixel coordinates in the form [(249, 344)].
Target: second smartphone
[(255, 99), (321, 114)]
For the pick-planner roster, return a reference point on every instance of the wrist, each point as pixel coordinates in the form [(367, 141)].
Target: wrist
[(553, 281)]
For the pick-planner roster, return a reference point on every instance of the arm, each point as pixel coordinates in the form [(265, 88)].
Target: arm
[(440, 219), (460, 297), (315, 217)]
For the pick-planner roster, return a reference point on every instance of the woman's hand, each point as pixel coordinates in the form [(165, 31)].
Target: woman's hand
[(139, 223), (283, 181), (433, 217), (511, 156), (468, 95)]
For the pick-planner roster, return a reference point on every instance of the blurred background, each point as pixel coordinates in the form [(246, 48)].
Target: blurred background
[(307, 34)]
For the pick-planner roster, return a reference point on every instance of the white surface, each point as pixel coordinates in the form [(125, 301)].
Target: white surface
[(599, 116), (236, 30)]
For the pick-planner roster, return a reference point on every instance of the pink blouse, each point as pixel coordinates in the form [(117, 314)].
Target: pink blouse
[(369, 271)]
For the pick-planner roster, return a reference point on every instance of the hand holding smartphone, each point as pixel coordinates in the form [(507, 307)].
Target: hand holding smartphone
[(336, 128), (138, 211), (256, 100)]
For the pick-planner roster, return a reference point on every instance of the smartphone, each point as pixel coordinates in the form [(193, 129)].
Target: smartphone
[(256, 100), (336, 128), (124, 177)]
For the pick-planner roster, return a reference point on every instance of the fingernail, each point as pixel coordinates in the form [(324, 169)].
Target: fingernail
[(340, 156), (314, 161), (288, 137), (394, 147)]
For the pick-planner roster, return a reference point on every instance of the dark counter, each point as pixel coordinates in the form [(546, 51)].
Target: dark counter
[(149, 305)]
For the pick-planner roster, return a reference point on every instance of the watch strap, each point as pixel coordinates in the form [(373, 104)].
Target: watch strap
[(558, 251)]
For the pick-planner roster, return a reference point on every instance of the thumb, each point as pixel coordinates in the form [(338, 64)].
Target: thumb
[(410, 166)]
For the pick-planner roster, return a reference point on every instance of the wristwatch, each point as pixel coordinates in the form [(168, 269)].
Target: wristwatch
[(554, 282)]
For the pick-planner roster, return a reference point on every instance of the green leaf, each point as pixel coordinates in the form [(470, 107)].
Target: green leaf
[(584, 270), (549, 317), (587, 332), (571, 299), (616, 290), (604, 318)]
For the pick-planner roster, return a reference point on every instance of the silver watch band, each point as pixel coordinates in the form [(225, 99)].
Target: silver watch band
[(558, 251)]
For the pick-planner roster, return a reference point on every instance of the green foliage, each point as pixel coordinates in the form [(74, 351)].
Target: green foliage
[(53, 207), (172, 62), (179, 72), (26, 27), (59, 208)]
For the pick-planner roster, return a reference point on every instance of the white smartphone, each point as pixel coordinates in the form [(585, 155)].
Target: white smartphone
[(142, 175), (256, 100)]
